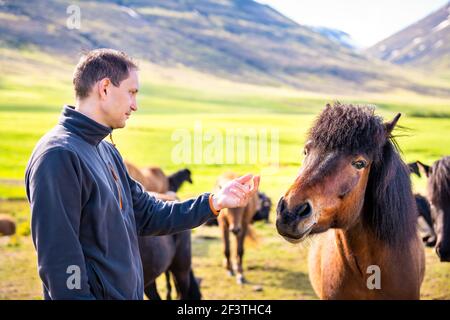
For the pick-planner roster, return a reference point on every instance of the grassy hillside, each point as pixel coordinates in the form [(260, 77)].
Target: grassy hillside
[(34, 87)]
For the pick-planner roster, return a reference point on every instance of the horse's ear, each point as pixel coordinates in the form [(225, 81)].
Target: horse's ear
[(189, 175), (391, 124), (425, 168), (414, 168)]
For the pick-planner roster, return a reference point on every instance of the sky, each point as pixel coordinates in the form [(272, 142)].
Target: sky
[(366, 21)]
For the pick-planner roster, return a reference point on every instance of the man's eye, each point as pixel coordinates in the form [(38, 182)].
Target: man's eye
[(360, 164)]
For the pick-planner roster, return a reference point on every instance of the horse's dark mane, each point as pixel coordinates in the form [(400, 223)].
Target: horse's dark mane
[(389, 209), (439, 183)]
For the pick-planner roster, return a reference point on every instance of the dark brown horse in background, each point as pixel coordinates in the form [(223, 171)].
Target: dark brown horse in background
[(168, 253), (355, 192), (236, 220), (425, 221), (438, 190)]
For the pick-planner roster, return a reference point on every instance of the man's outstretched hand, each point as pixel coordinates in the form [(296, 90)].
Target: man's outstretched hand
[(236, 193)]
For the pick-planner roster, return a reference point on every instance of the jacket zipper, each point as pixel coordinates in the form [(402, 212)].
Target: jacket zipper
[(116, 180), (115, 177)]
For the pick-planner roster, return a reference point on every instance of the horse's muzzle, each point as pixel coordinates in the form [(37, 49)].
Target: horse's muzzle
[(294, 225)]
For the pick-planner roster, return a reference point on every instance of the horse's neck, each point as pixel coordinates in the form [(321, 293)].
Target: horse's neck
[(401, 268), (359, 248), (178, 181)]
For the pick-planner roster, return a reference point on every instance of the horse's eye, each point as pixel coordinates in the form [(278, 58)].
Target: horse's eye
[(305, 151), (360, 164)]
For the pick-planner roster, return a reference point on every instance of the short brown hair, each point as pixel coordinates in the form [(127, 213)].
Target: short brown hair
[(99, 64)]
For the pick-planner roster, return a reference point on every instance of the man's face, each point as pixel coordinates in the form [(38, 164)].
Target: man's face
[(120, 101)]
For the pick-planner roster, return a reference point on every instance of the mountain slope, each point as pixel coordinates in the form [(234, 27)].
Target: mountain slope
[(240, 40), (424, 44)]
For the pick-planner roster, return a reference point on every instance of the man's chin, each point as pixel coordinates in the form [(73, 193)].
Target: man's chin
[(119, 125)]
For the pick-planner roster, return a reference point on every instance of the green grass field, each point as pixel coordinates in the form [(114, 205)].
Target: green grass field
[(30, 105)]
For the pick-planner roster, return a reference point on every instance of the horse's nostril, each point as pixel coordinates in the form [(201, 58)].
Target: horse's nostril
[(303, 210), (281, 205)]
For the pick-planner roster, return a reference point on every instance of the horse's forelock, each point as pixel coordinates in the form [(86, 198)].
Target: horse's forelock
[(348, 128)]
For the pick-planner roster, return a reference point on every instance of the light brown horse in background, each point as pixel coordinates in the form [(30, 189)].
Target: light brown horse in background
[(152, 178), (236, 220), (354, 189)]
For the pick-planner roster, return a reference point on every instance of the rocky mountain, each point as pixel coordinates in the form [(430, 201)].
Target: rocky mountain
[(338, 36), (424, 44), (240, 40)]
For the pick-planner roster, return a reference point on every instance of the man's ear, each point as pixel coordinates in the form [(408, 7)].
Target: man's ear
[(102, 87), (425, 168)]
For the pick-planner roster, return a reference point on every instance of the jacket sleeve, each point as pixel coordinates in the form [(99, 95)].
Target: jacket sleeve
[(53, 185), (157, 217)]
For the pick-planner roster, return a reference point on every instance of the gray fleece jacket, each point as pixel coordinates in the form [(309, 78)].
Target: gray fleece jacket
[(87, 213)]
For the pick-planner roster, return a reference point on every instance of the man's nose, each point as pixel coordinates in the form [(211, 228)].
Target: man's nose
[(134, 106)]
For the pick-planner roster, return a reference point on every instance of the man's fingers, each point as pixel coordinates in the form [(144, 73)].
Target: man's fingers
[(245, 179), (242, 188), (237, 193)]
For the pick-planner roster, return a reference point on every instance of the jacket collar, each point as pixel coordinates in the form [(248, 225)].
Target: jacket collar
[(83, 126)]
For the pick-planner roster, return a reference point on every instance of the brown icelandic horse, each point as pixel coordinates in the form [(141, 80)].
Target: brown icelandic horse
[(438, 190), (354, 190), (236, 220), (151, 178)]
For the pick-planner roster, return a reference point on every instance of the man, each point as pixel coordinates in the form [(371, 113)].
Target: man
[(87, 212)]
